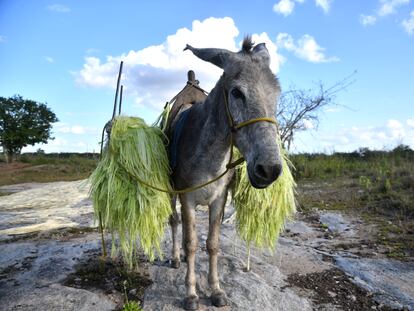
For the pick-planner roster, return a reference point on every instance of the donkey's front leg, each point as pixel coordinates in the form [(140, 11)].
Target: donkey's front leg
[(218, 297), (190, 247)]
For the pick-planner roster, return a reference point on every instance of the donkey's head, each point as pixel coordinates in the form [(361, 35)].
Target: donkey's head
[(251, 91)]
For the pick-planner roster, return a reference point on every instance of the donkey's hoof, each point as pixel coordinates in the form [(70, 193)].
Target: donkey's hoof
[(219, 299), (175, 263), (191, 303)]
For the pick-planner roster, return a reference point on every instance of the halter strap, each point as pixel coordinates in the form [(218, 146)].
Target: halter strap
[(271, 120), (234, 127)]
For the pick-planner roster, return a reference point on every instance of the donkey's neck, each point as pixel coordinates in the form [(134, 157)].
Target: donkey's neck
[(214, 134)]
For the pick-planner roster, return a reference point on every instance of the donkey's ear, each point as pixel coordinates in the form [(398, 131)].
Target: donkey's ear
[(260, 51), (218, 57)]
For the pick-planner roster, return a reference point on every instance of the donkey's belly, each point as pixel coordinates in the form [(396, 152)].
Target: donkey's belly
[(208, 194)]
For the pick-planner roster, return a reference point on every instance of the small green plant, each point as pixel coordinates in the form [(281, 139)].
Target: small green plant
[(132, 306), (365, 182), (324, 226), (387, 185)]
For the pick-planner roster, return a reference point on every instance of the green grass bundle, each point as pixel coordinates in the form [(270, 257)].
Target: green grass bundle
[(261, 213), (137, 213)]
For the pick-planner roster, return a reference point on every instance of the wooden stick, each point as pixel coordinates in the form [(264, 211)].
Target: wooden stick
[(102, 142), (248, 259), (102, 236), (113, 116), (117, 89), (120, 99)]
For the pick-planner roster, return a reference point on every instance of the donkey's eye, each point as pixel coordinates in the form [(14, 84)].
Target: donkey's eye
[(237, 94)]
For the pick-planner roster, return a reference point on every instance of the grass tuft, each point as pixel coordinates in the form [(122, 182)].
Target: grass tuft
[(137, 213), (261, 213)]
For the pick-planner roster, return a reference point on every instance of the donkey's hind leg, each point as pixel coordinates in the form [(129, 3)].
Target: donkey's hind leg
[(174, 221), (216, 210)]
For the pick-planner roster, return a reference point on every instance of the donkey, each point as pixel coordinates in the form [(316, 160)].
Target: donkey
[(247, 90)]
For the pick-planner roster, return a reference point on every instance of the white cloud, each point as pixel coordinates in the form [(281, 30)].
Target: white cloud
[(408, 24), (92, 51), (74, 129), (49, 59), (394, 124), (332, 109), (388, 7), (154, 74), (308, 124), (395, 129), (388, 135), (325, 5), (3, 39), (60, 8), (381, 135), (77, 129), (367, 20), (80, 144), (385, 8), (305, 48), (284, 7), (59, 144), (56, 145)]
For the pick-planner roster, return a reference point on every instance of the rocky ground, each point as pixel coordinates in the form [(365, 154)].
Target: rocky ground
[(326, 260)]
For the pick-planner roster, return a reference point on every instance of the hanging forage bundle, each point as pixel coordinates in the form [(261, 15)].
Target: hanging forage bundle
[(261, 213), (138, 214)]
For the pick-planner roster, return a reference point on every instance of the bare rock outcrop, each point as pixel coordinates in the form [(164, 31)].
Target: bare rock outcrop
[(262, 288)]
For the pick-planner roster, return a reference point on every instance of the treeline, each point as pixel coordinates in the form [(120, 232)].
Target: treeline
[(353, 164), (403, 151), (38, 158), (62, 155)]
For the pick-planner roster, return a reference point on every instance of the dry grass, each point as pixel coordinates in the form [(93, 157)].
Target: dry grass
[(261, 213), (47, 168), (377, 185), (136, 213)]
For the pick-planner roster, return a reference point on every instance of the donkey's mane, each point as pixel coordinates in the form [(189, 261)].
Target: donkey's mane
[(247, 44)]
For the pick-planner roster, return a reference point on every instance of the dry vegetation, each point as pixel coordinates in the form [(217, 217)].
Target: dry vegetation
[(377, 185), (47, 168)]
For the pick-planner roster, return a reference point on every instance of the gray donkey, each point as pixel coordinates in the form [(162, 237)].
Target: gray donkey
[(247, 90)]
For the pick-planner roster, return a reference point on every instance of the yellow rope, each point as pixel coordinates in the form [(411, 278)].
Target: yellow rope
[(271, 120), (185, 190)]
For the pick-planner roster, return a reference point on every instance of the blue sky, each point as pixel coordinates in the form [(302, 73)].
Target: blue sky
[(67, 54)]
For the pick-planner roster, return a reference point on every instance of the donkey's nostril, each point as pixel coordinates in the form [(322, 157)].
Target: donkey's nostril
[(268, 173), (261, 171)]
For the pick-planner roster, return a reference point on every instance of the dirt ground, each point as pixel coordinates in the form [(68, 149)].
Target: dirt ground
[(335, 287), (110, 276), (325, 260)]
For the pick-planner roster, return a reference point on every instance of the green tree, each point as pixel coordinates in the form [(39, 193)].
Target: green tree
[(23, 122)]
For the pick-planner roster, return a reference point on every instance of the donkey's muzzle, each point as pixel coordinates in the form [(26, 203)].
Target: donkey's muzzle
[(264, 174)]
